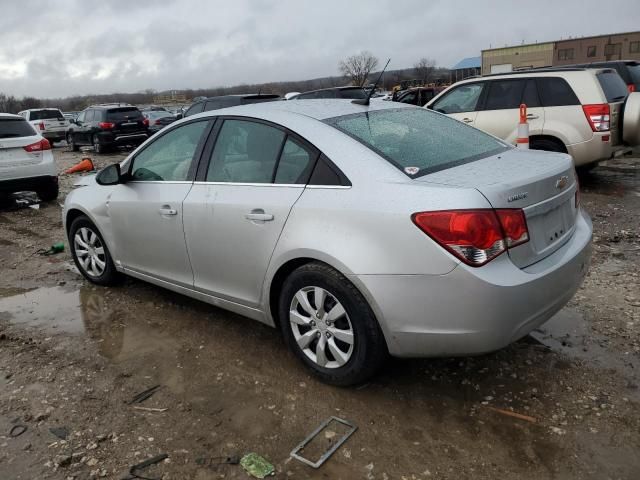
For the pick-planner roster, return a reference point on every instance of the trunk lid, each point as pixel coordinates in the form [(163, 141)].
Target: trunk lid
[(543, 184), (13, 154), (127, 120)]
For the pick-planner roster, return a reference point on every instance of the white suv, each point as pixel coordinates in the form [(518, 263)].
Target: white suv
[(49, 122), (574, 110), (26, 160)]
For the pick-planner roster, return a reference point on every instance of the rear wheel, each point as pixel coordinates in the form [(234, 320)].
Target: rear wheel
[(329, 325), (49, 192), (548, 145), (90, 253)]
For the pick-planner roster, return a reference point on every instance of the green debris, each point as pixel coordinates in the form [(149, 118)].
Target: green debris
[(256, 465), (55, 248)]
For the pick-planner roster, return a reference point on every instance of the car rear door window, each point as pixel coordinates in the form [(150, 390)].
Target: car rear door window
[(460, 99), (88, 116), (169, 157), (295, 163), (193, 109), (556, 92), (530, 95), (245, 152), (504, 94), (15, 127), (613, 86)]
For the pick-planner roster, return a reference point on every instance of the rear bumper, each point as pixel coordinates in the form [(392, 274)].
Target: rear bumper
[(123, 138), (594, 150), (476, 310), (56, 136), (28, 184)]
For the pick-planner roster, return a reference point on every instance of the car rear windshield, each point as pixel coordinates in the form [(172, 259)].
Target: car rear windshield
[(352, 93), (634, 71), (46, 115), (418, 141), (613, 86), (120, 114), (15, 127)]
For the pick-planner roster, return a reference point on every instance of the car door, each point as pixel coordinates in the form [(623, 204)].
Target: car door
[(234, 215), (147, 211), (460, 102), (499, 114), (77, 126)]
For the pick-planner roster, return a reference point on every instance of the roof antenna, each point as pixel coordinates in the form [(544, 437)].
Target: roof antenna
[(366, 101)]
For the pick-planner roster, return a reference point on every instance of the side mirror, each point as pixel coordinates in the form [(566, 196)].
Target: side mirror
[(109, 175), (179, 116)]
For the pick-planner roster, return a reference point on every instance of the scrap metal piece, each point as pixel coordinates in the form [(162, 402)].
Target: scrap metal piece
[(133, 471), (142, 396), (325, 456)]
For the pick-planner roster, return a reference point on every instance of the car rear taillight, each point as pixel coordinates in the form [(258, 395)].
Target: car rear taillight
[(157, 122), (38, 146), (598, 117), (631, 87), (475, 236), (146, 122), (41, 125), (106, 125)]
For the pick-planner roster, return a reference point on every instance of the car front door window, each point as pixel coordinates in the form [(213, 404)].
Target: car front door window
[(461, 99), (169, 158)]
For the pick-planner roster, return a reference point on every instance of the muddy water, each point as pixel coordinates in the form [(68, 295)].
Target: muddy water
[(617, 178)]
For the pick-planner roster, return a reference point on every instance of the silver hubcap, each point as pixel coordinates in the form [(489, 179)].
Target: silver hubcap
[(321, 327), (90, 252)]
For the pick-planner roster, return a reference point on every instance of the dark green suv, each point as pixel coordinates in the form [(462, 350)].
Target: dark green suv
[(107, 126)]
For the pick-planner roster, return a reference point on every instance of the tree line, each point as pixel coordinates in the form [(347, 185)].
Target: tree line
[(359, 70)]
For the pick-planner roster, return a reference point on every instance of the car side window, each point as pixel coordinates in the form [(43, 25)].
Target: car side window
[(245, 152), (504, 94), (295, 163), (556, 92), (461, 99), (88, 116), (410, 98), (193, 109), (169, 157), (530, 95), (326, 174), (80, 117)]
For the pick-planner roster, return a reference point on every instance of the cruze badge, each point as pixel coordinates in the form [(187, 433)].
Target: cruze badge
[(517, 196), (562, 182)]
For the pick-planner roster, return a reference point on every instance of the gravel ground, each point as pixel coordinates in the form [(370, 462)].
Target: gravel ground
[(72, 356)]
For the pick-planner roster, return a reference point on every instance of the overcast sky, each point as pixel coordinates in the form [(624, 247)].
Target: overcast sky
[(68, 47)]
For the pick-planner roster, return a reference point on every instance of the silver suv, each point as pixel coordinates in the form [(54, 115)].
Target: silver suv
[(588, 113)]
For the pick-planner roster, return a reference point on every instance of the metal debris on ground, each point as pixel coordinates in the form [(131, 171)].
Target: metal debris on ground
[(509, 413), (295, 453), (61, 432), (256, 466), (19, 200), (213, 462), (148, 409), (17, 430), (133, 471), (142, 396)]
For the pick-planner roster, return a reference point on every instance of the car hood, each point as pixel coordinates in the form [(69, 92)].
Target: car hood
[(85, 180)]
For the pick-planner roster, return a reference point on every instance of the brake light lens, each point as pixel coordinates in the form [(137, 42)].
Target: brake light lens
[(475, 236), (38, 146), (41, 125), (157, 122), (598, 117), (632, 88), (146, 122), (106, 125)]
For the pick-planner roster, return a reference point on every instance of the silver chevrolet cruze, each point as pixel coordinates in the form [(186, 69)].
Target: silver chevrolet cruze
[(359, 231)]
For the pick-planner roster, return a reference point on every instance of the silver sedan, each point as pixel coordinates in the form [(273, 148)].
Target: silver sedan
[(359, 231)]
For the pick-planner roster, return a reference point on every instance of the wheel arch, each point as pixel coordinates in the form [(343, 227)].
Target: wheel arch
[(549, 138)]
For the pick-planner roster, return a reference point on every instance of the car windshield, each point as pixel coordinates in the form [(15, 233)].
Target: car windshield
[(634, 71), (613, 86), (120, 114), (46, 115), (418, 141), (15, 127)]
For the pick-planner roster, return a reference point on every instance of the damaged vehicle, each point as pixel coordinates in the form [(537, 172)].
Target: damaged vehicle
[(357, 230)]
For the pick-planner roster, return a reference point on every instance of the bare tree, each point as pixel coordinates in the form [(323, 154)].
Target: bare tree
[(358, 67), (424, 69)]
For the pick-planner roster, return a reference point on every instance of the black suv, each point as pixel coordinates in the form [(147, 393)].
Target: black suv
[(107, 126), (629, 70), (335, 92), (224, 101)]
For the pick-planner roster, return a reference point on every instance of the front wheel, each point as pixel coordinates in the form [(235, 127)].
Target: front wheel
[(90, 253), (329, 325)]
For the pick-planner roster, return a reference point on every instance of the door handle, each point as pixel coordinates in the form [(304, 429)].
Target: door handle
[(258, 215), (167, 210), (532, 116), (467, 120)]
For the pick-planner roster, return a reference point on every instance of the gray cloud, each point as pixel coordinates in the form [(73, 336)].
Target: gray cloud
[(86, 46)]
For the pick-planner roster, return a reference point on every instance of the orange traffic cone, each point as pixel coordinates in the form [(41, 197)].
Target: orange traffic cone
[(86, 165)]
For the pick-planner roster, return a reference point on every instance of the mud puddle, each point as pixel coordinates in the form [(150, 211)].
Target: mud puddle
[(613, 178)]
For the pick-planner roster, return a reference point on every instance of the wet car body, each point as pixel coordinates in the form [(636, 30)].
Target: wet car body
[(363, 221)]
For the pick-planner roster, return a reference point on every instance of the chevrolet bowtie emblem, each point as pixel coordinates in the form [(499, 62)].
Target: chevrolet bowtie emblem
[(562, 182)]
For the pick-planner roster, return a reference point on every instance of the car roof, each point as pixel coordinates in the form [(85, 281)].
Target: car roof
[(318, 109), (240, 96), (39, 109), (11, 115)]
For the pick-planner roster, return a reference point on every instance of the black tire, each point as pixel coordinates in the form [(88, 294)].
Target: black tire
[(51, 142), (110, 276), (547, 145), (369, 347), (72, 144), (97, 146), (49, 192)]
